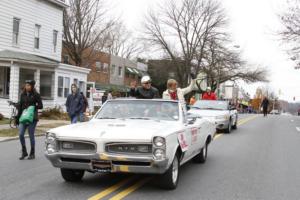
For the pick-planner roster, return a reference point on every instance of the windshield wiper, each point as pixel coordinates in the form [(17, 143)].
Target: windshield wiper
[(106, 118)]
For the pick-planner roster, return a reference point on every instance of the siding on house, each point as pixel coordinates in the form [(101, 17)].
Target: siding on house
[(48, 15)]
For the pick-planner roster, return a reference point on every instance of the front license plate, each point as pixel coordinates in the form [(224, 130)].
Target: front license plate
[(101, 165)]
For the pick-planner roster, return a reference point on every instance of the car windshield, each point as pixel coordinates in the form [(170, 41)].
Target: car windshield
[(139, 110), (211, 105)]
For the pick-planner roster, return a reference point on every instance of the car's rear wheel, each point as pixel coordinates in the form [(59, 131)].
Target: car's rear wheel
[(72, 175), (201, 157), (169, 179), (228, 129)]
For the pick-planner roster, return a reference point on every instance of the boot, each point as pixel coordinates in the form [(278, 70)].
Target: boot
[(24, 153), (31, 155)]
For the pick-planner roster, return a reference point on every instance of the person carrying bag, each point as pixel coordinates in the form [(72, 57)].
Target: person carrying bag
[(27, 118)]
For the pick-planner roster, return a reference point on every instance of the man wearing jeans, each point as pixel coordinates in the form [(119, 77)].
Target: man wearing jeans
[(74, 104)]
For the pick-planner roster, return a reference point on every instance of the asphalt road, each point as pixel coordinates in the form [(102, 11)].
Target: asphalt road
[(260, 160)]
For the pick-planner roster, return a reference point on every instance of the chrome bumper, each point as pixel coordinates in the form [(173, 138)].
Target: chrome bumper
[(222, 124), (117, 163)]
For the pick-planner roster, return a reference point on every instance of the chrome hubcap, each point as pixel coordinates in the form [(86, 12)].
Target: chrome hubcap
[(175, 170)]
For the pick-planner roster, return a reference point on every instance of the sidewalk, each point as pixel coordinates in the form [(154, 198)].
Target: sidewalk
[(41, 128), (41, 122)]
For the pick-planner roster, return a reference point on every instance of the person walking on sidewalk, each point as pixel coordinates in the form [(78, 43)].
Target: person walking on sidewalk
[(29, 97), (74, 104), (265, 105), (84, 108)]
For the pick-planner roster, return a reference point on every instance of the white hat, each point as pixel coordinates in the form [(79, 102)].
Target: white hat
[(145, 79), (208, 88)]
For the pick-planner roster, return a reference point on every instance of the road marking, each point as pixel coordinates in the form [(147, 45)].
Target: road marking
[(111, 189), (131, 189), (243, 121), (298, 129), (240, 122)]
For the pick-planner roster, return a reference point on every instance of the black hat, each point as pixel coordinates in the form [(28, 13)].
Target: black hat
[(30, 82)]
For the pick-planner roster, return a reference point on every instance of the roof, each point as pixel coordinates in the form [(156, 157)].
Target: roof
[(135, 71), (61, 3), (8, 55)]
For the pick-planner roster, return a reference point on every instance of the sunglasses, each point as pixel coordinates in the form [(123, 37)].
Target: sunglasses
[(146, 83)]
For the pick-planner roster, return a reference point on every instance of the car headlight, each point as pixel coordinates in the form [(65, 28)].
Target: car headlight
[(225, 117), (159, 154), (50, 142), (159, 141)]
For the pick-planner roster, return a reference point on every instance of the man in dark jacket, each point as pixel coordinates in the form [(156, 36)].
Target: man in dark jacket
[(84, 107), (29, 97), (74, 104), (265, 105), (146, 91)]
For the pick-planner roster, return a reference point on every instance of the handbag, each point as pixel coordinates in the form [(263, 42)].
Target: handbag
[(27, 115)]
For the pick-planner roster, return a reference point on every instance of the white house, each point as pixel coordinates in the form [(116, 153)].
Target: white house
[(30, 48)]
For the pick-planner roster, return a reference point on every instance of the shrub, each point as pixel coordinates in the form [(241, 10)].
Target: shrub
[(54, 113), (1, 117)]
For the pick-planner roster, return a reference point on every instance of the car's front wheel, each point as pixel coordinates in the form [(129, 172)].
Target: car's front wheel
[(228, 129), (169, 179), (72, 175)]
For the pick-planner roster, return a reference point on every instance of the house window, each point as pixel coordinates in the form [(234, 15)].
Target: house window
[(98, 66), (4, 81), (66, 86), (60, 86), (66, 59), (55, 34), (16, 28), (120, 71), (105, 67), (81, 86), (46, 85), (37, 36), (113, 69)]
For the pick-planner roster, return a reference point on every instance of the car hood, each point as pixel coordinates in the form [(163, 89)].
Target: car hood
[(116, 129), (209, 113)]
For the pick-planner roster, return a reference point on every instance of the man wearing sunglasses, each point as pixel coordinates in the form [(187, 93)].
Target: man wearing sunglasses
[(146, 91)]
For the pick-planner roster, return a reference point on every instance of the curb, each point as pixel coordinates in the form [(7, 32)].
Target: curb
[(17, 137)]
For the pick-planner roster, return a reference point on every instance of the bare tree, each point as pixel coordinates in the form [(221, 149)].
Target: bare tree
[(85, 26), (121, 42), (222, 64), (291, 29), (182, 29)]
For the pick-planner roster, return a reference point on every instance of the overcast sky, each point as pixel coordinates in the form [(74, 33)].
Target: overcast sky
[(253, 24)]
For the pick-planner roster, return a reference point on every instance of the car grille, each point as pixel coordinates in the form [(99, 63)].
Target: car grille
[(83, 147), (129, 148)]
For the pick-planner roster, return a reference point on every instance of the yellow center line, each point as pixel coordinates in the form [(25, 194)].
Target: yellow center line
[(111, 189), (131, 189), (240, 122)]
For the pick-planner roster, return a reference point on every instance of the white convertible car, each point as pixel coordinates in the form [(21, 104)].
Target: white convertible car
[(131, 136), (221, 112)]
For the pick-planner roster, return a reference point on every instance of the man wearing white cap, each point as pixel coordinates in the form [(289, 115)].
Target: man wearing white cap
[(209, 95), (146, 91)]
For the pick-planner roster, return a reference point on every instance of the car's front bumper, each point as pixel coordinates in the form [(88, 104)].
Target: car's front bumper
[(115, 163), (222, 124)]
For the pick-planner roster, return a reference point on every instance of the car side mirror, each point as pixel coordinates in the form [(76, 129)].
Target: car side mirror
[(191, 120)]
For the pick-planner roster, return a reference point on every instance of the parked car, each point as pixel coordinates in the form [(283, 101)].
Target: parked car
[(131, 136), (221, 112)]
